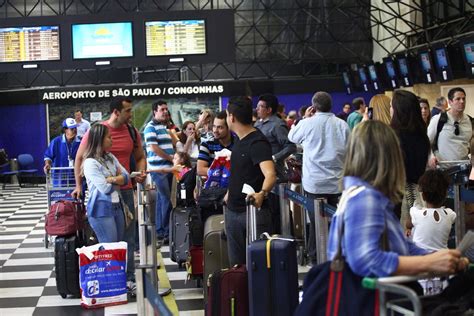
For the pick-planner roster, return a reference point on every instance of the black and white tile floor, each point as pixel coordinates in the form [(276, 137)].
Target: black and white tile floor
[(27, 279)]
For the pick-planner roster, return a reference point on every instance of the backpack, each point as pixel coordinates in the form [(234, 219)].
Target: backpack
[(442, 120), (133, 135)]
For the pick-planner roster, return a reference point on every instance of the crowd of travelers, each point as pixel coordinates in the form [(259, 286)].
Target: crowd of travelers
[(385, 152)]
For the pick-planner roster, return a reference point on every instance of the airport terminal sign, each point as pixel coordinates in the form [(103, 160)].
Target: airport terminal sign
[(131, 91)]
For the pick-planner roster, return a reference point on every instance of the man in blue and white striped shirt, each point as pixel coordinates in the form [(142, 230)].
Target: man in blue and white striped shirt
[(160, 151)]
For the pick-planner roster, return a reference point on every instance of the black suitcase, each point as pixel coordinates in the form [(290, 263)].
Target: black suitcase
[(66, 263), (180, 241)]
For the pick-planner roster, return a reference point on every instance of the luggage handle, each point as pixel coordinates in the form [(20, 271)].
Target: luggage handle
[(251, 220)]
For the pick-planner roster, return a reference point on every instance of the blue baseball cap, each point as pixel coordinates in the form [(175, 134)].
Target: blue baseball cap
[(69, 123)]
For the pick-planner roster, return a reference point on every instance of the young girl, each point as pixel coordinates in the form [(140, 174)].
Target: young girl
[(185, 176), (432, 224), (104, 175)]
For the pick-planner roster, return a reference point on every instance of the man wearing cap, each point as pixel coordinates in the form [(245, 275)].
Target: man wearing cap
[(62, 149)]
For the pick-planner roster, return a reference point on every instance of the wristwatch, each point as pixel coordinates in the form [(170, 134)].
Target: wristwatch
[(265, 193)]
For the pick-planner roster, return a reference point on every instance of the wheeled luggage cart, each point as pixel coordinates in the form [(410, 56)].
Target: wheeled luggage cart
[(60, 182)]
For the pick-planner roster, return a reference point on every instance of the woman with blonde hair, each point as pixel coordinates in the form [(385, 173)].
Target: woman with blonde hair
[(381, 108), (104, 175), (365, 232), (374, 165)]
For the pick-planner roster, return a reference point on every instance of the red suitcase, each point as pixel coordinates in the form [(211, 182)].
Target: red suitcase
[(228, 292)]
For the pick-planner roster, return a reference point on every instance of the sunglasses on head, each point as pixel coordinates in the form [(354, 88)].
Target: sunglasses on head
[(456, 128)]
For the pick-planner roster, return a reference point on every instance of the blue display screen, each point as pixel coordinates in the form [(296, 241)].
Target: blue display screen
[(362, 75), (402, 63), (441, 58), (425, 62), (469, 52), (102, 40), (345, 76), (390, 69), (373, 73)]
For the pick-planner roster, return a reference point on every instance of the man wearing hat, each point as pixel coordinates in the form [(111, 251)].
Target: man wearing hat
[(62, 149)]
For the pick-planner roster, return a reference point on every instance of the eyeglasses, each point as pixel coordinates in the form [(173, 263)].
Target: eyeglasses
[(456, 128)]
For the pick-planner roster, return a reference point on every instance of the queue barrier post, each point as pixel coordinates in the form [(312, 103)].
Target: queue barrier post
[(285, 222)]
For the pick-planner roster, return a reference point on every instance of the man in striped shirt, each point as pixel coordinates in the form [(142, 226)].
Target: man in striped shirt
[(160, 151), (222, 139)]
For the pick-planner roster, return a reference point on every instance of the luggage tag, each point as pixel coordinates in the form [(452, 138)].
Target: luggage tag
[(183, 192)]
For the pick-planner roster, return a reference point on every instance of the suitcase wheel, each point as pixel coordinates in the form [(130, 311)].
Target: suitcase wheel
[(63, 295)]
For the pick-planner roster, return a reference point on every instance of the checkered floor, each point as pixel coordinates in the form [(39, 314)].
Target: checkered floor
[(27, 278)]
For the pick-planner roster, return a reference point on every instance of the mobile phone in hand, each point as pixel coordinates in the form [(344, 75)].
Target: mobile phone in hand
[(370, 113)]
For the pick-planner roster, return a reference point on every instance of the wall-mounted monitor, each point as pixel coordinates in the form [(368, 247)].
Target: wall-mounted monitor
[(391, 73), (347, 81), (102, 40), (442, 64), (404, 71), (468, 54), (363, 78), (29, 44), (427, 66), (374, 76), (169, 38)]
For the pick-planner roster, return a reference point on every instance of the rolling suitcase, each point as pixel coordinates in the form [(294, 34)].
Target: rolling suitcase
[(228, 292), (66, 263), (215, 248), (272, 266), (179, 242)]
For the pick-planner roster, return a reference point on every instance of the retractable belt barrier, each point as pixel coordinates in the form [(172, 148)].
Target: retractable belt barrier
[(458, 171), (156, 305), (149, 301), (316, 207)]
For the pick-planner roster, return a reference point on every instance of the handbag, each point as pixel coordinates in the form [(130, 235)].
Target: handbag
[(332, 288), (294, 170)]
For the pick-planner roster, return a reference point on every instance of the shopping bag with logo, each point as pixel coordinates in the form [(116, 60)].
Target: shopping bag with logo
[(219, 170), (103, 274)]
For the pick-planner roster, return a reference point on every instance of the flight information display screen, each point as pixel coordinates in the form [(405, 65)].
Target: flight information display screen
[(26, 44), (167, 38)]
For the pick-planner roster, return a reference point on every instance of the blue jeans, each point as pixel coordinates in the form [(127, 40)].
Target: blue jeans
[(109, 228), (163, 202), (130, 233), (236, 232)]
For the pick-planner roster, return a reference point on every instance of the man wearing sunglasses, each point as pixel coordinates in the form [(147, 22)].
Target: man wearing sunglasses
[(450, 133)]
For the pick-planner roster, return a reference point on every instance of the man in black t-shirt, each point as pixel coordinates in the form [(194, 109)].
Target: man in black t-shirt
[(251, 163)]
